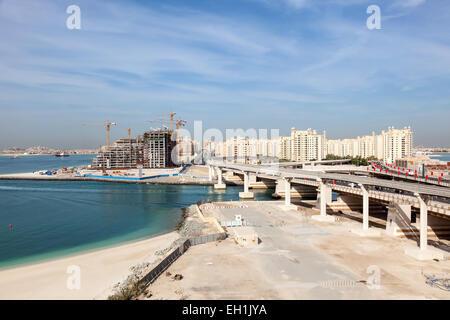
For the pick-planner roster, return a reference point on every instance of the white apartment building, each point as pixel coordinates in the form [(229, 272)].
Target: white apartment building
[(388, 146), (307, 145), (397, 144), (285, 148), (268, 147)]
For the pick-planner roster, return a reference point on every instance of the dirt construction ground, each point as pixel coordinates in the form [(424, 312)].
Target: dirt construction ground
[(298, 258)]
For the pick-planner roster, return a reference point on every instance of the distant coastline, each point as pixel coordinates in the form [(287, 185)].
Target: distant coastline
[(41, 154), (442, 156)]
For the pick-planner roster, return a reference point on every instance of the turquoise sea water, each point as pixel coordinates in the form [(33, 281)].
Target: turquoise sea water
[(56, 218), (441, 156), (38, 162)]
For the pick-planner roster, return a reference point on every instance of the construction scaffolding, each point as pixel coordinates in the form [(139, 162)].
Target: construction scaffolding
[(158, 148), (151, 150)]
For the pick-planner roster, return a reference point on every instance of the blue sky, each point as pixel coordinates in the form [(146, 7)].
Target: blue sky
[(233, 64)]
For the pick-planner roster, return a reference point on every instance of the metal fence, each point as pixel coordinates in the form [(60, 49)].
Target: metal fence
[(163, 265), (176, 253), (208, 238)]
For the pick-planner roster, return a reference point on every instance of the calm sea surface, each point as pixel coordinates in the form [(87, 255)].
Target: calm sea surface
[(37, 162), (441, 156), (52, 218)]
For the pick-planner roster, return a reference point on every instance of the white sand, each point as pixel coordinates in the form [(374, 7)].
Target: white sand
[(99, 271)]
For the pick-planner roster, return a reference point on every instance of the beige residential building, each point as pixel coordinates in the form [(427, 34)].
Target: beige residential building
[(268, 147), (397, 144), (285, 148), (388, 146), (307, 145)]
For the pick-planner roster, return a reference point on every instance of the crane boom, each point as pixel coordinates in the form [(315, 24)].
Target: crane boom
[(108, 125), (171, 114)]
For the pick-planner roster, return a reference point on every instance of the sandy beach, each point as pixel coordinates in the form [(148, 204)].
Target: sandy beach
[(298, 258), (99, 271)]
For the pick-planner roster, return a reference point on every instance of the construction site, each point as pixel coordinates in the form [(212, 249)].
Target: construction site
[(151, 150)]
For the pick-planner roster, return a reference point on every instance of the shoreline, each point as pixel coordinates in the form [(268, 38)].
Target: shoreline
[(80, 252), (102, 272), (67, 253), (166, 180), (100, 269), (198, 178), (43, 154)]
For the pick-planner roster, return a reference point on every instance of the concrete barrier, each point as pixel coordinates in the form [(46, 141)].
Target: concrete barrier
[(209, 219)]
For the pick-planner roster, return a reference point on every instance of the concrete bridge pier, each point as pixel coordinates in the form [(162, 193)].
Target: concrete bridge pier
[(219, 185), (251, 178), (423, 224), (246, 194), (325, 194), (287, 195), (365, 231), (424, 252), (210, 173)]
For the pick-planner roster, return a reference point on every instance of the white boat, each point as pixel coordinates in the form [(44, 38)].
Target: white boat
[(62, 154)]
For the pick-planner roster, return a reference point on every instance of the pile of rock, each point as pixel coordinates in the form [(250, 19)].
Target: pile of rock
[(192, 226), (136, 273)]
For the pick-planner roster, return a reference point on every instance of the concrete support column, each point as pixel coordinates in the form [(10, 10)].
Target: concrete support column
[(287, 192), (325, 192), (424, 252), (323, 198), (423, 223), (210, 173), (246, 194), (365, 207), (287, 195), (246, 182), (251, 179), (365, 229), (219, 185), (219, 175)]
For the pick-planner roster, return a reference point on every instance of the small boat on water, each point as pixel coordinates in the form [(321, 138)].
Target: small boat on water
[(62, 154), (16, 156)]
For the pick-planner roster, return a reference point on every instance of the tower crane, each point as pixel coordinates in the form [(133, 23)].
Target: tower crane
[(171, 114), (160, 121), (180, 123), (108, 126)]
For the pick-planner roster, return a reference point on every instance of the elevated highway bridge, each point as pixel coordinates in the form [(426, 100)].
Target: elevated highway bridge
[(382, 170), (427, 198)]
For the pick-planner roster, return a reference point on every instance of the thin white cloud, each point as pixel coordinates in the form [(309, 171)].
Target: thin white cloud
[(188, 58), (298, 4), (408, 3)]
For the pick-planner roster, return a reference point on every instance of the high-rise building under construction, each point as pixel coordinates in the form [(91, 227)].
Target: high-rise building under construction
[(153, 149)]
